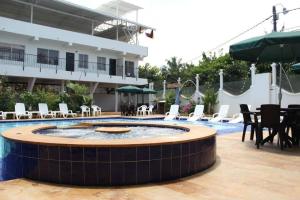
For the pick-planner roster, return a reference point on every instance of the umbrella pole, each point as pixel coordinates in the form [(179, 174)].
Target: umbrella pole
[(280, 84)]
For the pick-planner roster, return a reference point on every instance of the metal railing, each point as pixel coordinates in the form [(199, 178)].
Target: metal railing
[(237, 87), (57, 64)]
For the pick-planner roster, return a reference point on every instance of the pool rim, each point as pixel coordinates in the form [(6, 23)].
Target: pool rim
[(26, 134)]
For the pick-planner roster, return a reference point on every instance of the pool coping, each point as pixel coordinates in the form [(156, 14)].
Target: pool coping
[(26, 134)]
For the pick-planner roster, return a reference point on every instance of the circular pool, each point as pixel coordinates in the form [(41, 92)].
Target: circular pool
[(171, 152)]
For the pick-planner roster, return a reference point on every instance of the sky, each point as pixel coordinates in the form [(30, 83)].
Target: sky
[(186, 28)]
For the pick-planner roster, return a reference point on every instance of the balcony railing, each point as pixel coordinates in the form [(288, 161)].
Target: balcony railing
[(59, 64)]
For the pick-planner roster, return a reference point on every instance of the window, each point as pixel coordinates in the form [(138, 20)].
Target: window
[(12, 52), (101, 63), (83, 61), (129, 68), (47, 56)]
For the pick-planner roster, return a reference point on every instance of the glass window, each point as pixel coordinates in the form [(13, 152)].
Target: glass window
[(17, 54), (101, 63), (12, 52), (83, 61), (42, 56), (5, 53), (53, 57), (46, 56), (129, 68)]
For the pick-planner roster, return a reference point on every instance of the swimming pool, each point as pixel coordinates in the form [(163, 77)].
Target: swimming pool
[(222, 128)]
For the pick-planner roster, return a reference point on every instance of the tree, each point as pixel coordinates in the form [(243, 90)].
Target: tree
[(152, 73)]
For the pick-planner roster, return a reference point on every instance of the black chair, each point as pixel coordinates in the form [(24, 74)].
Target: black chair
[(293, 121), (297, 128), (270, 118), (247, 121)]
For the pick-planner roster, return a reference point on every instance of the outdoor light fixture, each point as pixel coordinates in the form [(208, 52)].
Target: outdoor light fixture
[(276, 15)]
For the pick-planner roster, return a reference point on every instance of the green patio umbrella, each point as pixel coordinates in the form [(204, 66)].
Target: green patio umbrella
[(130, 89), (272, 47), (148, 91), (296, 66)]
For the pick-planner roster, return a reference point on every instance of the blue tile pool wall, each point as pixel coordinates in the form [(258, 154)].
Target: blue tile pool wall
[(107, 165)]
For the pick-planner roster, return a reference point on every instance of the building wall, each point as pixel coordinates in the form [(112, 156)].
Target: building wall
[(54, 34), (29, 69), (261, 92), (31, 47)]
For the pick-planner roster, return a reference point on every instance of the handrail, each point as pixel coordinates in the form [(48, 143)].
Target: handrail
[(31, 60)]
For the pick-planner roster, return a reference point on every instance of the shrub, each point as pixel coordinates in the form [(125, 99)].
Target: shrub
[(210, 100)]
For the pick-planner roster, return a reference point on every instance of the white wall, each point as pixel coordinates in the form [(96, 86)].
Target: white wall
[(259, 93), (49, 71), (105, 101), (54, 34), (289, 98)]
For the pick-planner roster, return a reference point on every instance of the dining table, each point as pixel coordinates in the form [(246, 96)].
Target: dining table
[(289, 141)]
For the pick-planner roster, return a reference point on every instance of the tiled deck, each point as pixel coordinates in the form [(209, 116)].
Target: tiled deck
[(241, 172)]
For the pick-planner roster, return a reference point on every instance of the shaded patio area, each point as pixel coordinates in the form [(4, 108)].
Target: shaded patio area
[(241, 172)]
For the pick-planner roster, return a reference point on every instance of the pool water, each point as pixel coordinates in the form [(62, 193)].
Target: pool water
[(222, 128), (91, 133)]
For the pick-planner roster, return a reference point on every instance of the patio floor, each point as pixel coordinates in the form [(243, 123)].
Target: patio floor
[(241, 172)]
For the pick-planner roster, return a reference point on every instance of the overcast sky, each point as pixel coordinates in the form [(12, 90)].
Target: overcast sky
[(186, 28)]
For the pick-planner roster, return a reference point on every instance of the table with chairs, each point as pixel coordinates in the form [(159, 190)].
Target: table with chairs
[(278, 121)]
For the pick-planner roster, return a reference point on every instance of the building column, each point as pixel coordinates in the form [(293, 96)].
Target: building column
[(151, 86), (123, 65), (93, 87), (221, 73), (197, 83), (62, 87), (116, 99), (164, 90), (30, 84), (253, 71), (273, 65), (273, 86)]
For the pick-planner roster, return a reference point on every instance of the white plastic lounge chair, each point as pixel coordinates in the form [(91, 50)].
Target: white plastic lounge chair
[(85, 110), (44, 112), (173, 113), (238, 118), (64, 111), (2, 115), (21, 112), (221, 115), (150, 110), (141, 110), (197, 114), (96, 110)]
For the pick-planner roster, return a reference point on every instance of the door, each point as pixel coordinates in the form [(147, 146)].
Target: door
[(112, 67), (70, 61)]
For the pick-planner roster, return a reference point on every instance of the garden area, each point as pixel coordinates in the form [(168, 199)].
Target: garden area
[(75, 96)]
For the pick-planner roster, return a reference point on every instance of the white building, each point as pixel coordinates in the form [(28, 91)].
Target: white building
[(49, 42)]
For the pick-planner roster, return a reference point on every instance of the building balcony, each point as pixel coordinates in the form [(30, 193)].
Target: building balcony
[(27, 65)]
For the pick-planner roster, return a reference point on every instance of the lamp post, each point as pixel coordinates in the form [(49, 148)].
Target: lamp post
[(275, 18), (276, 15)]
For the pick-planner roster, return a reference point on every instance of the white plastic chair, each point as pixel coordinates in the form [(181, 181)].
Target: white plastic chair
[(44, 112), (21, 112), (96, 110), (85, 110), (141, 110), (65, 111), (150, 110), (238, 117), (221, 115), (197, 114), (173, 113)]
